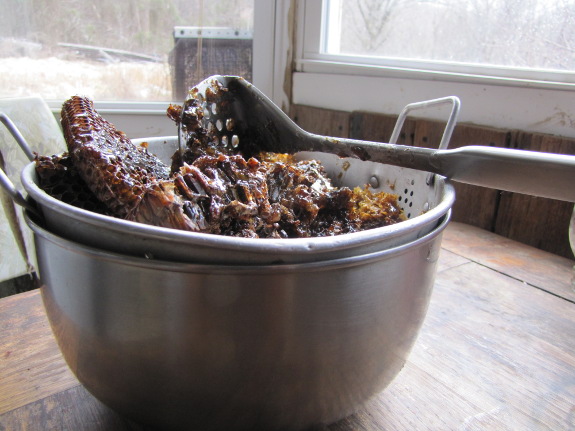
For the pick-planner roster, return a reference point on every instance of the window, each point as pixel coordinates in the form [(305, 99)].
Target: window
[(530, 39), (510, 62), (124, 54), (109, 50)]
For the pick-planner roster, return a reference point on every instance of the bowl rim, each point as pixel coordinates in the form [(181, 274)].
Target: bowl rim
[(174, 266)]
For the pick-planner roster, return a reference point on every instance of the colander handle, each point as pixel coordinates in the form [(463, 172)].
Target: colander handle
[(5, 182), (13, 192), (17, 135), (451, 121)]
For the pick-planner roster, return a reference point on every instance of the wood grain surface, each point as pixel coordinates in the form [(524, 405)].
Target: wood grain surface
[(496, 352)]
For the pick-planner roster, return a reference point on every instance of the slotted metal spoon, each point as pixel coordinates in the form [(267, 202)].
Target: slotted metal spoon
[(242, 115)]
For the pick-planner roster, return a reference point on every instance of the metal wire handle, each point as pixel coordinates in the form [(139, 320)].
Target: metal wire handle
[(5, 182), (451, 121), (17, 135)]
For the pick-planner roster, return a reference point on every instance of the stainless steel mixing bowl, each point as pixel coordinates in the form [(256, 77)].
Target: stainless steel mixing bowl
[(213, 347)]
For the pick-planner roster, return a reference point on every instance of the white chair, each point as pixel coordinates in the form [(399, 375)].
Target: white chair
[(39, 127)]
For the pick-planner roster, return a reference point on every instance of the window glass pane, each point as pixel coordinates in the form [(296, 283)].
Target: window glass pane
[(536, 34), (117, 50)]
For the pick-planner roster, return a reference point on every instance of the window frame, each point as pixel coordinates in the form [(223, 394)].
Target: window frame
[(509, 98)]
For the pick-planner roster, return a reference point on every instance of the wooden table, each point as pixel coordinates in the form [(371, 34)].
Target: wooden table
[(496, 352)]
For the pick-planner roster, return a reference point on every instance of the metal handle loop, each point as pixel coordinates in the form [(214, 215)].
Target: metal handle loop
[(17, 135), (451, 121), (5, 182)]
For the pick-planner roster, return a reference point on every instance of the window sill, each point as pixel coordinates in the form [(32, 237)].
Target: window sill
[(472, 76)]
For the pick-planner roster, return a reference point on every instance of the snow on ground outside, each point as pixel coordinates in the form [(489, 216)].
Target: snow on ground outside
[(55, 78)]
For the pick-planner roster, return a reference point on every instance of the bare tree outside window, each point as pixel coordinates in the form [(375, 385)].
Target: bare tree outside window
[(370, 19), (536, 34)]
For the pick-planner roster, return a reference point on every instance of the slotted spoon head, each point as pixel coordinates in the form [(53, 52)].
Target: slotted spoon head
[(239, 116)]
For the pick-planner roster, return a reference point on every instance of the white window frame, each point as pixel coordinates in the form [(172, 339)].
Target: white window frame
[(496, 97)]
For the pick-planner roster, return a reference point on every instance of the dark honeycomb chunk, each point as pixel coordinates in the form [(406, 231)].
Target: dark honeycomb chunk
[(116, 170)]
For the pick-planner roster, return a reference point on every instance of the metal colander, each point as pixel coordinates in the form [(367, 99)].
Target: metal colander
[(426, 205)]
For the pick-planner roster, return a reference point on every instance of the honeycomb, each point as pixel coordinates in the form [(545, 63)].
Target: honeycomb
[(117, 171)]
